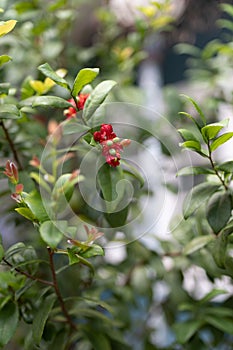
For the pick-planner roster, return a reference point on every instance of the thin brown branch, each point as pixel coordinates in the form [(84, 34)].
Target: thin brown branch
[(11, 144), (34, 278), (57, 291)]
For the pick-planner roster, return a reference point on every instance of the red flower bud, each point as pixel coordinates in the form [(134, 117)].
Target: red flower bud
[(11, 172)]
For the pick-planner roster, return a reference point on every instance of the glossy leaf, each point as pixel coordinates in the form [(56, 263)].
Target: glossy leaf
[(6, 27), (93, 250), (97, 97), (47, 70), (198, 196), (210, 131), (195, 170), (197, 243), (187, 135), (221, 140), (84, 77), (41, 317), (4, 59), (9, 111), (193, 145), (35, 204), (50, 101), (9, 318), (26, 212), (52, 232), (108, 179), (218, 210)]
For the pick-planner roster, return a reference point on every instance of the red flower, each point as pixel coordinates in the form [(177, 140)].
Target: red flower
[(111, 144), (81, 100), (105, 133), (111, 151), (11, 172), (72, 111)]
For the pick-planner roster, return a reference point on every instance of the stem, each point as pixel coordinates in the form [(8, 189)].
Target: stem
[(58, 293), (34, 278), (11, 144), (214, 168)]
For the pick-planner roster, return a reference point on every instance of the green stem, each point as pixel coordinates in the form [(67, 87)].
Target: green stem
[(57, 290), (214, 168), (11, 144)]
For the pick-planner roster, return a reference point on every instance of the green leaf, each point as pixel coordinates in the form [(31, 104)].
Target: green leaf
[(196, 244), (185, 330), (9, 318), (197, 107), (97, 97), (4, 88), (193, 145), (227, 167), (221, 140), (227, 8), (35, 204), (47, 70), (26, 212), (118, 218), (191, 117), (187, 135), (128, 168), (73, 258), (209, 296), (99, 340), (9, 111), (218, 210), (194, 170), (52, 232), (41, 317), (111, 185), (74, 127), (50, 101), (223, 324), (4, 59), (84, 77), (198, 196), (210, 131), (93, 250), (219, 311), (219, 250)]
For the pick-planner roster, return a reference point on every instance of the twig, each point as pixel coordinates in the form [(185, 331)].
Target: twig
[(11, 144), (55, 285), (214, 168), (34, 278)]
